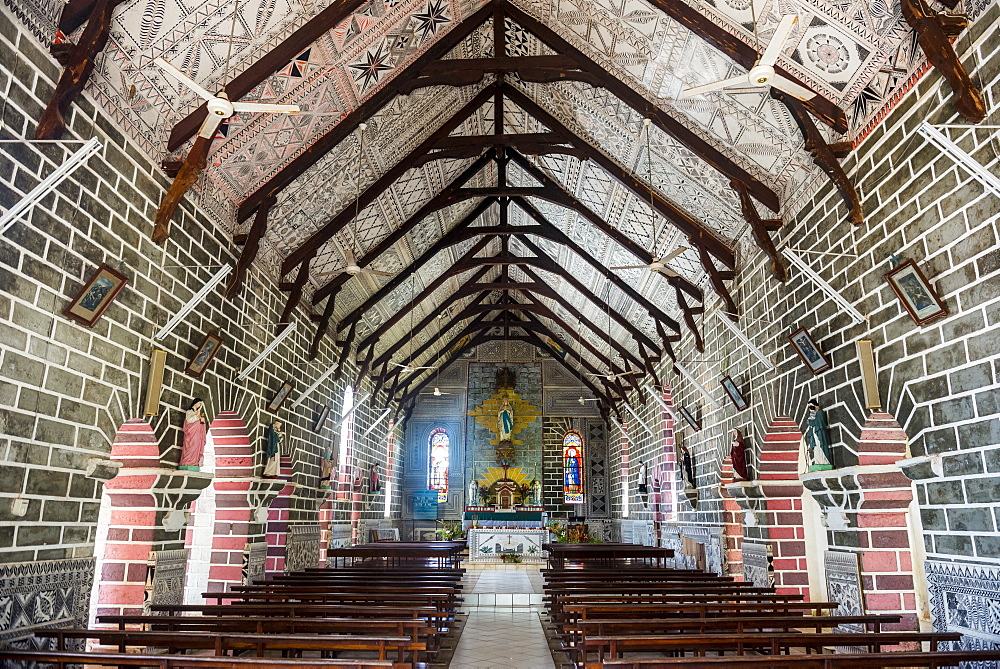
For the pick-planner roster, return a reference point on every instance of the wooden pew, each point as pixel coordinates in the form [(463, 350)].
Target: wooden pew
[(414, 628), (840, 661), (61, 659), (221, 642), (612, 647)]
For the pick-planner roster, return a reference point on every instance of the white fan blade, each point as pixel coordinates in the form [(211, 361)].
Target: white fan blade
[(673, 254), (714, 86), (666, 271), (183, 78), (210, 125), (377, 272), (792, 88), (632, 267), (265, 108), (777, 42)]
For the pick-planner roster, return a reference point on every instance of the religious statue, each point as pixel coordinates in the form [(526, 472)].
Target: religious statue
[(272, 450), (642, 487), (326, 471), (536, 492), (505, 421), (374, 480), (688, 467), (738, 456), (817, 439), (473, 493), (195, 435)]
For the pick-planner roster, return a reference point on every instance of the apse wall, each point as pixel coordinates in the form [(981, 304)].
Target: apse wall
[(67, 389), (940, 381)]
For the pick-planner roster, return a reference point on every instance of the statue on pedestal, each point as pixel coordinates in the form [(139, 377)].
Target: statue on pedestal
[(688, 465), (473, 493), (738, 455), (505, 421), (536, 492), (195, 436), (272, 449), (817, 439)]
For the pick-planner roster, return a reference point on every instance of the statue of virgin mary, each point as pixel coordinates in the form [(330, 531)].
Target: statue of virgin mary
[(505, 421)]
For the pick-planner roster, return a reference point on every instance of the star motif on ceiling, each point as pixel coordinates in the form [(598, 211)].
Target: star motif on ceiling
[(369, 69), (434, 16)]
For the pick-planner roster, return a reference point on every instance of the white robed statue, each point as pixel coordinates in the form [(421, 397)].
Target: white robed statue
[(505, 420)]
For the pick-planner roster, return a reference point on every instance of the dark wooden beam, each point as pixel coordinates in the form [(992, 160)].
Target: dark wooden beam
[(688, 312), (74, 14), (687, 224), (370, 194), (435, 204), (934, 34), (365, 111), (192, 168), (534, 144), (761, 230), (250, 247), (559, 195), (467, 71), (716, 278), (618, 282), (660, 118), (80, 62), (824, 155), (344, 352), (295, 293), (324, 324)]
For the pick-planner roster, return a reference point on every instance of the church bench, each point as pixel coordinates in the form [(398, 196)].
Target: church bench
[(308, 610), (221, 642), (611, 647), (444, 603), (61, 659), (411, 627), (556, 607), (839, 661), (702, 609)]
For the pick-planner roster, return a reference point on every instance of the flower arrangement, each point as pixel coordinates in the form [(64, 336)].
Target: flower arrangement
[(571, 534), (511, 558), (450, 530)]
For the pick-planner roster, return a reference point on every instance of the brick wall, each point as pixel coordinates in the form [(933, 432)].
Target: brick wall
[(67, 389)]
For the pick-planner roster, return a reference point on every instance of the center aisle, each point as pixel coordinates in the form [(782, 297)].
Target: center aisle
[(503, 630)]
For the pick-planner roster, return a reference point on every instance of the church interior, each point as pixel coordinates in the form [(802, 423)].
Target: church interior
[(500, 333)]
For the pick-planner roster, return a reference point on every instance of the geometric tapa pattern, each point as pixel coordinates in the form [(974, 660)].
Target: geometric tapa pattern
[(254, 562), (302, 548), (843, 585), (165, 572), (964, 598), (597, 480), (43, 595), (758, 565)]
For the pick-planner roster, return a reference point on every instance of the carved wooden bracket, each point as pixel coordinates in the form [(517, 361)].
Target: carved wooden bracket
[(250, 243), (186, 177), (934, 33), (824, 155), (761, 229), (79, 62)]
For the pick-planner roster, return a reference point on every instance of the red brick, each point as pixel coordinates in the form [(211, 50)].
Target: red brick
[(894, 582), (879, 561)]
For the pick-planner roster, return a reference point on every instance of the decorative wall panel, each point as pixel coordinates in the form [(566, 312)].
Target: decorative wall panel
[(965, 598), (843, 585), (302, 549), (757, 566), (597, 479), (254, 561), (165, 579), (42, 595)]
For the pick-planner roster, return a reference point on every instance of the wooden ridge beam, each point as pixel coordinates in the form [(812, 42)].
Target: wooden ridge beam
[(372, 192), (80, 60), (467, 71), (660, 118), (934, 34), (365, 111), (824, 155), (534, 144), (761, 230)]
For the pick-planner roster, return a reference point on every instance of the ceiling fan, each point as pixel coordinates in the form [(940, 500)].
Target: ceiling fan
[(762, 74), (611, 377), (582, 401), (437, 392), (659, 264), (354, 269), (219, 106)]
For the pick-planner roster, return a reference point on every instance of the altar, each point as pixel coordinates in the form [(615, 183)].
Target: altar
[(491, 544)]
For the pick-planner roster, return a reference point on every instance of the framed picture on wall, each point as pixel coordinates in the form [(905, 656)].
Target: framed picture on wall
[(734, 394), (916, 294), (324, 416), (689, 417), (808, 351), (279, 397), (209, 347), (96, 296)]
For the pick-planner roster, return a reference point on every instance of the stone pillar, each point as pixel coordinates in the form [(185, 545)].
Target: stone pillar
[(146, 508), (390, 455), (774, 504), (626, 501), (867, 511), (670, 479)]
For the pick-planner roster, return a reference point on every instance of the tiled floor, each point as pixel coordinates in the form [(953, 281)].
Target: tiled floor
[(502, 640), (503, 630)]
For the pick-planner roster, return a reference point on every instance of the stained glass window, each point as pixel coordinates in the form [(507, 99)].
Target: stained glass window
[(439, 446), (573, 468)]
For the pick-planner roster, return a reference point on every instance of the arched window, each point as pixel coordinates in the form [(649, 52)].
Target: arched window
[(439, 454), (573, 468)]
